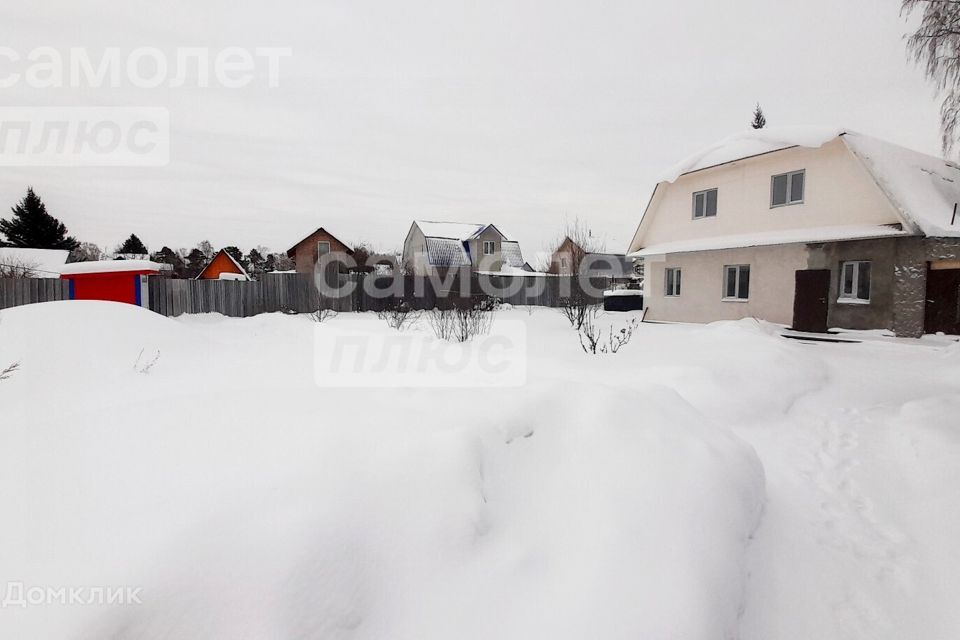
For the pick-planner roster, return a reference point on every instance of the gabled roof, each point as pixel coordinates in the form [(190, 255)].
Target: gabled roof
[(447, 252), (923, 189), (239, 267), (39, 263), (447, 242), (512, 256), (292, 250)]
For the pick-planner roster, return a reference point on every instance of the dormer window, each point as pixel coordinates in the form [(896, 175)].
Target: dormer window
[(705, 204), (488, 247), (787, 188)]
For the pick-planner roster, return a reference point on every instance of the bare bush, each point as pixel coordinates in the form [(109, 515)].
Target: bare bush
[(399, 315), (9, 371), (323, 311), (145, 366), (18, 269), (323, 314), (575, 309), (461, 321), (594, 340)]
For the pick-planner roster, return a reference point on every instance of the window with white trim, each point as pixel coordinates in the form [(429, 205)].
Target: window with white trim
[(787, 188), (736, 282), (855, 281), (488, 247), (705, 204), (671, 281), (323, 248)]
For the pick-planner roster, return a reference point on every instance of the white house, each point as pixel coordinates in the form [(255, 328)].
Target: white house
[(808, 227), (430, 246)]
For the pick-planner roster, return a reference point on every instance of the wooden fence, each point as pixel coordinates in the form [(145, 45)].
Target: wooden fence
[(18, 291), (298, 293)]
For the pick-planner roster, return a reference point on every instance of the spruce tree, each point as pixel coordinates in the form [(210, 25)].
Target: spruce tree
[(32, 227), (759, 121), (133, 245)]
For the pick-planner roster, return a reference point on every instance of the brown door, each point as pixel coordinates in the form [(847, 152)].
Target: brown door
[(810, 300), (943, 301)]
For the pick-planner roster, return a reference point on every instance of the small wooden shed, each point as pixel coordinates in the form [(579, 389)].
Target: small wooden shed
[(113, 280)]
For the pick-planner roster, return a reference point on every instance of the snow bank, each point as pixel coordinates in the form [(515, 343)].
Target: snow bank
[(248, 503), (751, 143)]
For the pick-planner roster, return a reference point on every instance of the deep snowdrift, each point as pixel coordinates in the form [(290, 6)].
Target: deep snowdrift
[(247, 503), (610, 497)]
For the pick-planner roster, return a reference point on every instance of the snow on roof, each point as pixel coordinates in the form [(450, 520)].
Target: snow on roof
[(510, 250), (39, 263), (923, 188), (108, 266), (752, 142), (791, 236), (447, 252), (452, 230)]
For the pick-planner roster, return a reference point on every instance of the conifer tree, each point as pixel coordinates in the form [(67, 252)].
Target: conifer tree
[(32, 227), (759, 120)]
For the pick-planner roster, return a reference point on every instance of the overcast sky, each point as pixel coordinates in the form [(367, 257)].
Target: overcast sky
[(520, 113)]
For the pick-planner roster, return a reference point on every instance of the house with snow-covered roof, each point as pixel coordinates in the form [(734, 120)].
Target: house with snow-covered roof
[(810, 227), (18, 262), (436, 246)]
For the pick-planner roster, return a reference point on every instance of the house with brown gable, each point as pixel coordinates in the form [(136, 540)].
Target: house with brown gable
[(308, 251)]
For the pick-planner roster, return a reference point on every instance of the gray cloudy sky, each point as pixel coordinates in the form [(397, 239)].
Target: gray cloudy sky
[(522, 113)]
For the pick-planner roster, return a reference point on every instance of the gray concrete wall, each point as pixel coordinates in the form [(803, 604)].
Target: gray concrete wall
[(881, 253), (910, 279)]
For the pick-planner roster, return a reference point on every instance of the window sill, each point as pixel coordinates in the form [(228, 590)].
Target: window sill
[(788, 204), (852, 301), (735, 299)]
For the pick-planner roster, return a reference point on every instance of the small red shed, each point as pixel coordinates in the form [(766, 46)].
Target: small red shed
[(116, 280)]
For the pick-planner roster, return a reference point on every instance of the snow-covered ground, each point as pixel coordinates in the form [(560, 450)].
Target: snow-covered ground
[(705, 482)]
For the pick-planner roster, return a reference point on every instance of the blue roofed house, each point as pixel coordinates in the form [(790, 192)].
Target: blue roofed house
[(434, 246)]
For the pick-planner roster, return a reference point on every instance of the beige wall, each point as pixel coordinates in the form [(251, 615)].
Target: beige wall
[(838, 191), (701, 293)]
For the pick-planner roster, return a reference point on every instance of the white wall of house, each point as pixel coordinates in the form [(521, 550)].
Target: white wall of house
[(701, 296), (838, 191), (415, 260)]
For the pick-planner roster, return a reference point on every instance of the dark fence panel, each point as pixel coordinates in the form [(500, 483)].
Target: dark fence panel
[(19, 291)]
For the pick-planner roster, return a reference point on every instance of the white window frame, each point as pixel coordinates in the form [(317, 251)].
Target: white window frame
[(320, 245), (736, 297), (673, 292), (704, 193), (852, 297), (789, 176), (492, 245)]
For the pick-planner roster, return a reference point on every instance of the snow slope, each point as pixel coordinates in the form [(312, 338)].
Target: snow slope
[(706, 482)]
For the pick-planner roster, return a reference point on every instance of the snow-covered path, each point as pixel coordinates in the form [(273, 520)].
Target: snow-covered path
[(705, 482)]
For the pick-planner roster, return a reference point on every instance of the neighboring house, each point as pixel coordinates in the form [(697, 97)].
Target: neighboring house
[(807, 227), (437, 246), (31, 263), (321, 242), (570, 257), (223, 267)]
